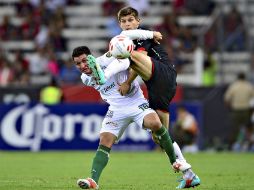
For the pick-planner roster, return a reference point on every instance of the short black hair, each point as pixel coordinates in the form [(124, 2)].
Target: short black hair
[(80, 50)]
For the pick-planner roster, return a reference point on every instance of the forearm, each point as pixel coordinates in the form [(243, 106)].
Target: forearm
[(138, 34), (116, 66), (132, 76)]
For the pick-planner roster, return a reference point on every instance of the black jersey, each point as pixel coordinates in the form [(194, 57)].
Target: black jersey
[(162, 85), (154, 50)]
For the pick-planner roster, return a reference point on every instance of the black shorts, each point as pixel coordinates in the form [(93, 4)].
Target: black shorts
[(161, 86)]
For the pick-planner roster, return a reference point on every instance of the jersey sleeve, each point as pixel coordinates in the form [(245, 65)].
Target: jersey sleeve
[(116, 66), (104, 60), (87, 80), (138, 34)]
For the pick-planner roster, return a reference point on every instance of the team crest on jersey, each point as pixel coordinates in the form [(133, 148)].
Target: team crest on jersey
[(109, 114)]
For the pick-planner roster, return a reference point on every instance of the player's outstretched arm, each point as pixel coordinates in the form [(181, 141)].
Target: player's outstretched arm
[(125, 86), (116, 66), (142, 34)]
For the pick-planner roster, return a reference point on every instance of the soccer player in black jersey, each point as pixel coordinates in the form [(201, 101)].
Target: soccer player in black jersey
[(150, 61)]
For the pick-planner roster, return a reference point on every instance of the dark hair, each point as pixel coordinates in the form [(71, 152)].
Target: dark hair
[(127, 11), (80, 50), (241, 76)]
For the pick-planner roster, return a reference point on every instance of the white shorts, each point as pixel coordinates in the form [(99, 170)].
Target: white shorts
[(118, 119)]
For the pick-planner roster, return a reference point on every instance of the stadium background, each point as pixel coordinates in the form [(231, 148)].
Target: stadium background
[(37, 40)]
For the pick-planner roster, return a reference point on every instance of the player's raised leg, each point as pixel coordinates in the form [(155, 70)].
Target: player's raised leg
[(141, 64)]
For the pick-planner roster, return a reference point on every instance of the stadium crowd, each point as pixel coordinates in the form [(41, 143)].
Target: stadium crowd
[(43, 21)]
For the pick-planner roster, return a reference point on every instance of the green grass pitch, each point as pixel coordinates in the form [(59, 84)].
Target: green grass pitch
[(125, 171)]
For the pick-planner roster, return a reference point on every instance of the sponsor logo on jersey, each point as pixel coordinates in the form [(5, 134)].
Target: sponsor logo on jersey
[(111, 123), (107, 88), (143, 106)]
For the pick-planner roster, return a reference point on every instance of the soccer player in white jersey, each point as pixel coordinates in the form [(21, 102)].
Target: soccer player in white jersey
[(123, 110)]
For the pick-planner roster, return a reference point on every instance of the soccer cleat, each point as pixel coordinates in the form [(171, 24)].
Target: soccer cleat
[(87, 183), (96, 69), (180, 166), (195, 181)]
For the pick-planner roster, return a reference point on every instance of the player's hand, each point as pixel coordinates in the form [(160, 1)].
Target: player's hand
[(157, 36), (124, 88), (96, 80)]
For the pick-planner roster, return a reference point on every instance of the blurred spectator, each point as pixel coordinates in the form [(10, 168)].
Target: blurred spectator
[(251, 145), (38, 62), (69, 73), (210, 38), (6, 72), (142, 6), (23, 7), (234, 31), (173, 54), (169, 29), (30, 27), (237, 97), (53, 5), (41, 39), (110, 9), (179, 7), (53, 67), (41, 15), (195, 7), (21, 69), (210, 68), (251, 76), (35, 3), (188, 40), (51, 94), (21, 60), (56, 41), (185, 130), (7, 30)]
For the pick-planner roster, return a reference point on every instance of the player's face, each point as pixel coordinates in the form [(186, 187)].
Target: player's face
[(81, 64), (129, 22)]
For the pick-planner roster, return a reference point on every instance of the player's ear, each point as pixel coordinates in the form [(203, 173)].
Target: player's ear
[(138, 19)]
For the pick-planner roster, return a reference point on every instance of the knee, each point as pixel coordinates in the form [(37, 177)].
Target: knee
[(155, 125), (152, 122), (107, 139)]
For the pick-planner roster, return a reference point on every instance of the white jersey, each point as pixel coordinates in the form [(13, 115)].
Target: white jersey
[(109, 91)]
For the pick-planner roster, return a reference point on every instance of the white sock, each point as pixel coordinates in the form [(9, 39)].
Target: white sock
[(178, 152), (188, 174), (116, 66)]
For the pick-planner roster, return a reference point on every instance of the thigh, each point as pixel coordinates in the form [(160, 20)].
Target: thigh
[(142, 64), (115, 123)]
